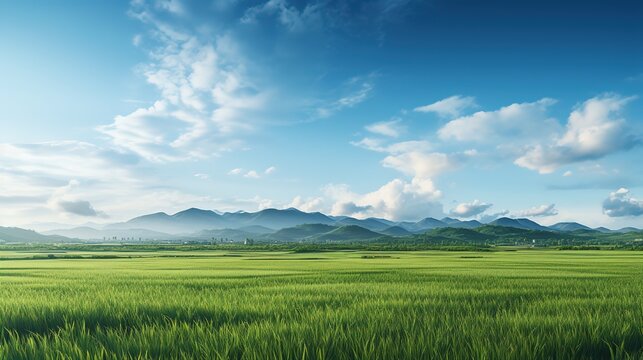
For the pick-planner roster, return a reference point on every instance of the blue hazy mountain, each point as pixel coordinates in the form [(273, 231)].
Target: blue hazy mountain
[(289, 224), (569, 226), (519, 224), (18, 235)]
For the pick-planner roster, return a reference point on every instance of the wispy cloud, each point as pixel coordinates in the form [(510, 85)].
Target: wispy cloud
[(391, 128), (252, 174), (453, 106), (358, 90), (538, 211)]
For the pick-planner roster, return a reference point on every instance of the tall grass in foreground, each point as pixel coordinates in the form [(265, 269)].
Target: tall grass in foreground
[(519, 305)]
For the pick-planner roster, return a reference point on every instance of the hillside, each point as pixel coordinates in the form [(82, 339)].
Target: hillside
[(569, 226), (346, 233), (299, 232), (396, 231), (18, 235), (519, 224)]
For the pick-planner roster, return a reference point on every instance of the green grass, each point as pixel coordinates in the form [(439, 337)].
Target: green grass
[(328, 305)]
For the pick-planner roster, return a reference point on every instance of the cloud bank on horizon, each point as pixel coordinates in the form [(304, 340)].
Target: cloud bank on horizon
[(348, 108)]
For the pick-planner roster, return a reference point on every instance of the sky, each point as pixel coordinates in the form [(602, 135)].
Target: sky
[(400, 109)]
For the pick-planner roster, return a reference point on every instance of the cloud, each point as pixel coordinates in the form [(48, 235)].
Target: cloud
[(538, 211), (420, 164), (568, 173), (311, 204), (520, 120), (452, 106), (470, 209), (172, 6), (202, 176), (289, 16), (206, 96), (352, 18), (79, 207), (594, 130), (396, 200), (487, 218), (358, 89), (379, 145), (252, 174), (620, 203), (387, 128)]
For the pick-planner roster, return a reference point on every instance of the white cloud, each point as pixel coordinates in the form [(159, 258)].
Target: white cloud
[(538, 211), (379, 145), (173, 6), (206, 96), (358, 89), (60, 180), (387, 128), (620, 203), (289, 16), (311, 204), (568, 173), (516, 121), (420, 164), (594, 130), (396, 200), (252, 174), (452, 106), (202, 176), (470, 209)]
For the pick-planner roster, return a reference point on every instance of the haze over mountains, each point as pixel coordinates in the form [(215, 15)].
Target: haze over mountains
[(277, 225)]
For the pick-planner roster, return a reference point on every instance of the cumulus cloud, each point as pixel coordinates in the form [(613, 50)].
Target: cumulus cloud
[(206, 95), (420, 164), (538, 211), (519, 120), (620, 203), (386, 128), (396, 200), (79, 207), (594, 130), (452, 106), (310, 204), (470, 209)]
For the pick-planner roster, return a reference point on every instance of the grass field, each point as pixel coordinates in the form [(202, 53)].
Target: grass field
[(328, 305)]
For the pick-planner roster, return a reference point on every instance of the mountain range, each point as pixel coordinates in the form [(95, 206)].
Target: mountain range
[(277, 225)]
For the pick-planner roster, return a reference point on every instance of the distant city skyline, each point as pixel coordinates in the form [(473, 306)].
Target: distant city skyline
[(396, 109)]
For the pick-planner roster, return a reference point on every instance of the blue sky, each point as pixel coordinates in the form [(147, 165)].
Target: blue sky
[(391, 108)]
